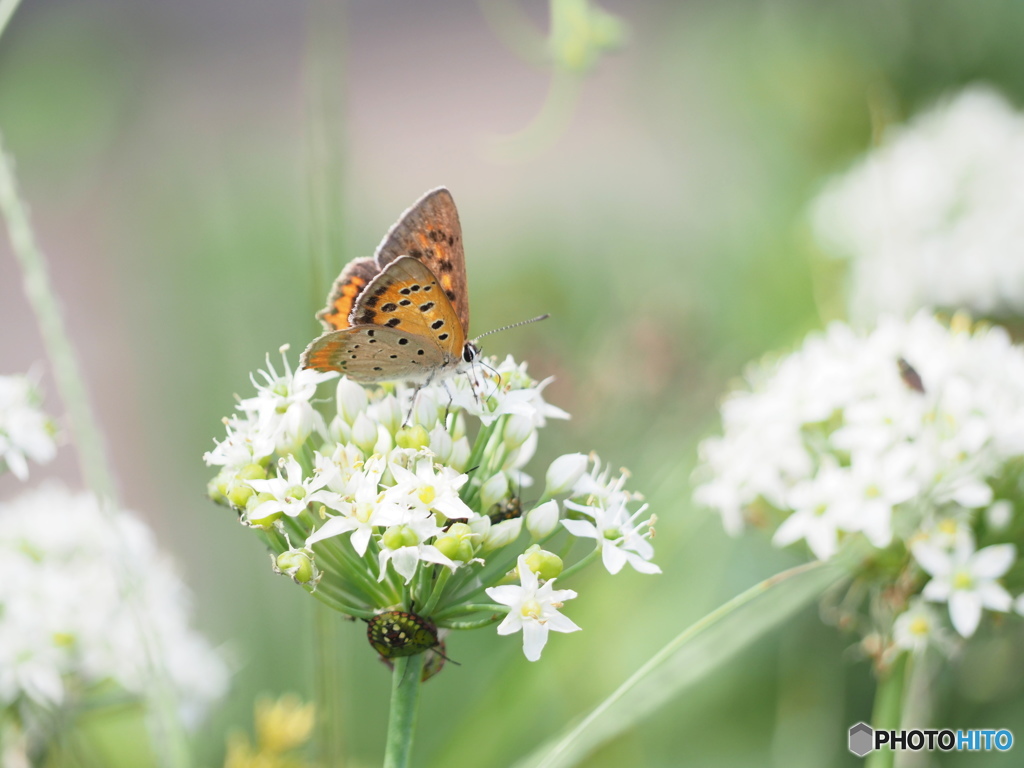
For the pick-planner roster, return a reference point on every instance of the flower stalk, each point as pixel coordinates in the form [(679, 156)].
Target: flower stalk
[(405, 691), (888, 710)]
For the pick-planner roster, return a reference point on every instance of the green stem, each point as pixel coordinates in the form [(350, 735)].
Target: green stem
[(888, 711), (435, 595), (328, 682), (405, 689), (171, 745)]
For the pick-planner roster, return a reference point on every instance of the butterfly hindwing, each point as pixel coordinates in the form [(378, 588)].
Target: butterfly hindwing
[(430, 233), (371, 353), (407, 296), (353, 279)]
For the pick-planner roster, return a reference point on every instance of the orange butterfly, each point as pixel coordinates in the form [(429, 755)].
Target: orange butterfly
[(403, 314)]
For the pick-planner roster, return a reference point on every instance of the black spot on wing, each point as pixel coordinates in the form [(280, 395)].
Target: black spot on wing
[(389, 307), (405, 302), (450, 294), (403, 341), (437, 324), (445, 265), (443, 337), (426, 307), (392, 322)]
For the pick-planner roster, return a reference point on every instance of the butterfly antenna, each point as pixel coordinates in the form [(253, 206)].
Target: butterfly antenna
[(514, 325)]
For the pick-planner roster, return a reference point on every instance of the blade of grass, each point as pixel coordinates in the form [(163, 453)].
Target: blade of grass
[(692, 654)]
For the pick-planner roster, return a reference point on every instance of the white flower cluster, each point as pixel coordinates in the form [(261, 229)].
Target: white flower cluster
[(25, 431), (389, 504), (65, 624), (934, 217), (909, 439)]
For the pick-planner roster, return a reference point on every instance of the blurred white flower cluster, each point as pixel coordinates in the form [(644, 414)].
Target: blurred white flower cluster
[(934, 217), (907, 443), (25, 431), (65, 623), (392, 504)]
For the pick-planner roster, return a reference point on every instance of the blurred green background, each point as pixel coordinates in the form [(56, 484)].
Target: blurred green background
[(198, 170)]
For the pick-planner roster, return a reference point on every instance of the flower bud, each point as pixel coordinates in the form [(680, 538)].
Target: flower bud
[(414, 437), (494, 490), (457, 543), (564, 472), (239, 494), (253, 504), (400, 536), (503, 533), (425, 411), (217, 488), (441, 444), (460, 455), (999, 516), (541, 521), (458, 429), (364, 433), (517, 429), (352, 399), (547, 565), (339, 431), (384, 442), (389, 413), (297, 564)]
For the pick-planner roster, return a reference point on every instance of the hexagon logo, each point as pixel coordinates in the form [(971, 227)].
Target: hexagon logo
[(862, 739)]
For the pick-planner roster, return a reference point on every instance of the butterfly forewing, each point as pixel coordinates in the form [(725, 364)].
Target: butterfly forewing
[(407, 296), (369, 354), (430, 233)]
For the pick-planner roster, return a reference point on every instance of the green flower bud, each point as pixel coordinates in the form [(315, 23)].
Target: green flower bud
[(400, 536), (252, 472), (254, 503), (217, 489), (297, 564), (414, 437), (239, 495), (502, 533), (547, 565)]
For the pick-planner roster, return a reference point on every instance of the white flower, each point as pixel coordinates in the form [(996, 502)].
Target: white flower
[(244, 444), (25, 431), (512, 392), (66, 622), (292, 492), (817, 515), (836, 440), (363, 511), (282, 407), (966, 579), (618, 535), (917, 628), (533, 609), (932, 217), (430, 490)]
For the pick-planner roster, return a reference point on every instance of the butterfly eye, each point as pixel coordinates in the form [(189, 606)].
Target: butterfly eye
[(470, 352)]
